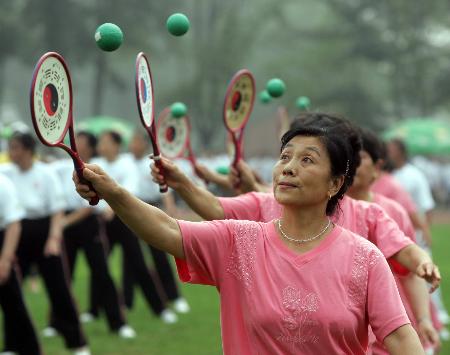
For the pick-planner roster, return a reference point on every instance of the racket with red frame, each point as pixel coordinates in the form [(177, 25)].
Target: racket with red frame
[(174, 137), (144, 96), (238, 106), (51, 103)]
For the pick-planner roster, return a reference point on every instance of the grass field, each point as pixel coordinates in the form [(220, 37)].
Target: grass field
[(196, 333)]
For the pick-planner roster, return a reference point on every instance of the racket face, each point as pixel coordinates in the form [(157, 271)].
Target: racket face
[(144, 90), (51, 99), (239, 100), (172, 134)]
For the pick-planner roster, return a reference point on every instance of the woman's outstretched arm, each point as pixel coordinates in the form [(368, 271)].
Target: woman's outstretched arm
[(149, 223)]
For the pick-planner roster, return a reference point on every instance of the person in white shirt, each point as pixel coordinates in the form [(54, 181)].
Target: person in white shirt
[(123, 170), (40, 193), (82, 232), (415, 182), (148, 192), (19, 335)]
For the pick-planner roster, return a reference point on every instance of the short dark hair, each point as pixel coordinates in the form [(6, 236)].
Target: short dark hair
[(341, 140), (400, 144), (116, 136), (26, 140), (91, 139), (372, 145)]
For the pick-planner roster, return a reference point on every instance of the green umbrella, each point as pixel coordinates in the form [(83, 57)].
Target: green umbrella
[(422, 136), (98, 124)]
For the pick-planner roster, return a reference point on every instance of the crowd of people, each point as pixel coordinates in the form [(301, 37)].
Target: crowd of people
[(329, 254)]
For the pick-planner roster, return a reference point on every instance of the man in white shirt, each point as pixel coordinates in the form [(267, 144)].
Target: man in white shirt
[(82, 232), (124, 171), (19, 335), (41, 195), (148, 192)]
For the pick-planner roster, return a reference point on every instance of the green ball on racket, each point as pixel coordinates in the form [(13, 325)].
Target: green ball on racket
[(178, 109), (275, 87), (265, 97), (177, 24), (109, 37), (303, 103)]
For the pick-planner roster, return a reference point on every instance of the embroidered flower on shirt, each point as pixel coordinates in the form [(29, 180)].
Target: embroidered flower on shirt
[(365, 257), (298, 324), (242, 258)]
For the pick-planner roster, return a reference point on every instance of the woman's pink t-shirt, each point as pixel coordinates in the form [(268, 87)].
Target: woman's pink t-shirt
[(276, 301), (363, 218), (387, 186)]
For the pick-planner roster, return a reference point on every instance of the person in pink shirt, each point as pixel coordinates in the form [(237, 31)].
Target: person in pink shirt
[(296, 285), (364, 218), (413, 290), (386, 185)]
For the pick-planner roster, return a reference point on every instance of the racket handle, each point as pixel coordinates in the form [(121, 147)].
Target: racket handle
[(162, 186), (94, 200), (237, 157)]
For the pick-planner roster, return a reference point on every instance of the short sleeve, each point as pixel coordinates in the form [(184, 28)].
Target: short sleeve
[(207, 246), (10, 208), (55, 194), (406, 201), (242, 207), (131, 178), (385, 233), (384, 306)]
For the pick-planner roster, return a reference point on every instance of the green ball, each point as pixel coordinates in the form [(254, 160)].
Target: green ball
[(265, 97), (224, 170), (275, 87), (178, 109), (177, 24), (109, 37), (303, 102), (6, 132)]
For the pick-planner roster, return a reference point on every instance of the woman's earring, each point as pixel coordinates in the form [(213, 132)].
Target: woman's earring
[(329, 196)]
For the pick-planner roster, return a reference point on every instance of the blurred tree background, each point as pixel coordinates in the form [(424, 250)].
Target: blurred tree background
[(374, 61)]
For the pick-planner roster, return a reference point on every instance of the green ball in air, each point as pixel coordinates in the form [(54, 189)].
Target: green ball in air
[(265, 97), (178, 24), (303, 102), (109, 37), (275, 87), (178, 109)]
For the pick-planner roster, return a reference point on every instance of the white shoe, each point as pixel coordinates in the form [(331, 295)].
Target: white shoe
[(86, 317), (82, 351), (181, 306), (49, 332), (126, 332), (168, 316), (445, 334), (443, 317), (7, 353)]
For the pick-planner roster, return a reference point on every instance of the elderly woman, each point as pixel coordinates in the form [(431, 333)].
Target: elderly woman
[(296, 285)]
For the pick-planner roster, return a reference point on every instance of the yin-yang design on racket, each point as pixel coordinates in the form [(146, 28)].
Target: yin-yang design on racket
[(172, 136), (239, 101), (238, 106), (52, 100)]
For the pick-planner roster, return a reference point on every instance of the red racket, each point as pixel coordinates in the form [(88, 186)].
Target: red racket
[(237, 108), (144, 96), (174, 137), (51, 108)]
